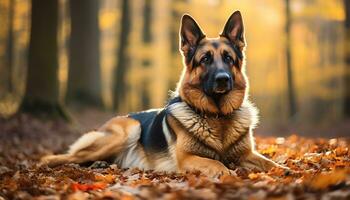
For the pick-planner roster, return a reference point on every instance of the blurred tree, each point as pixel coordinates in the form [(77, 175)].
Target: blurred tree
[(9, 50), (147, 42), (84, 76), (347, 58), (147, 14), (290, 82), (119, 90), (41, 93)]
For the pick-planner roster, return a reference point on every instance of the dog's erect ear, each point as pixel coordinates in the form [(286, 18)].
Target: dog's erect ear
[(190, 34), (234, 30)]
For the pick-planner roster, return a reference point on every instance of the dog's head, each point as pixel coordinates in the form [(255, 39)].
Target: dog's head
[(213, 80)]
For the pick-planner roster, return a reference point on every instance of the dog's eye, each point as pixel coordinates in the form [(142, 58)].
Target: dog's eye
[(205, 59), (228, 58)]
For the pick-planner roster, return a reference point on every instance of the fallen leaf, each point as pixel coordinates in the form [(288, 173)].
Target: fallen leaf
[(87, 187), (324, 180)]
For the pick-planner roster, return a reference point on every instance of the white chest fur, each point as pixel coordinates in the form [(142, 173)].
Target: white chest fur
[(215, 132)]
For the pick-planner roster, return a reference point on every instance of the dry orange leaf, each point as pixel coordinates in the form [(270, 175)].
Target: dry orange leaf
[(253, 176), (324, 180), (127, 197), (142, 181), (87, 187), (105, 178), (228, 179)]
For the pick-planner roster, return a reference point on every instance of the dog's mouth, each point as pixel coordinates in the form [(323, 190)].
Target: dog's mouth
[(221, 90), (217, 93)]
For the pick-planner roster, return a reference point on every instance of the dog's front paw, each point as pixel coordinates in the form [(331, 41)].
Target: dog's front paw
[(215, 171)]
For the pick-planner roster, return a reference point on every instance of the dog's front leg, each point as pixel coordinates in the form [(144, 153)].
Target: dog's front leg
[(187, 161), (209, 167), (255, 161)]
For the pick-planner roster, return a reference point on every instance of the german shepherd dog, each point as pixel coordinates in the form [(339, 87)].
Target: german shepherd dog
[(206, 125)]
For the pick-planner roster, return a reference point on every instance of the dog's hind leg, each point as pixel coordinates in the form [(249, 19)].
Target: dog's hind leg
[(114, 136), (81, 150)]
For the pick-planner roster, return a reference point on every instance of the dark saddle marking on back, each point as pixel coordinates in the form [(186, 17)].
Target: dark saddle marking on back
[(152, 135)]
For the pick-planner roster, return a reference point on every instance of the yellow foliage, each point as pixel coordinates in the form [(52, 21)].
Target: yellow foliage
[(108, 19), (317, 37)]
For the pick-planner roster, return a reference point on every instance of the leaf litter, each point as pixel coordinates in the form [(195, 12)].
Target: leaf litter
[(320, 169)]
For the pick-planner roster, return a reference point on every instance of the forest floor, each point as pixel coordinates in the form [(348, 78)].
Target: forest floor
[(321, 170)]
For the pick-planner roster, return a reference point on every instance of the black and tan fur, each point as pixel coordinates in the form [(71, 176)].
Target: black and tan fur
[(207, 124)]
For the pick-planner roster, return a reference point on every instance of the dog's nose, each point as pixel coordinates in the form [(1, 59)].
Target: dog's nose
[(222, 82), (222, 79)]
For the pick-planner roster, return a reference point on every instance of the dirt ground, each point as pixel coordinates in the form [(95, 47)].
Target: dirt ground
[(321, 170)]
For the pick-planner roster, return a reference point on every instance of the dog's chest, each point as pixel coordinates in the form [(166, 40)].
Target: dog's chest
[(224, 139)]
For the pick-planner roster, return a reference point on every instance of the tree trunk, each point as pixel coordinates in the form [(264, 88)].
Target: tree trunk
[(347, 59), (41, 94), (9, 50), (290, 80), (84, 78), (147, 40), (120, 85)]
